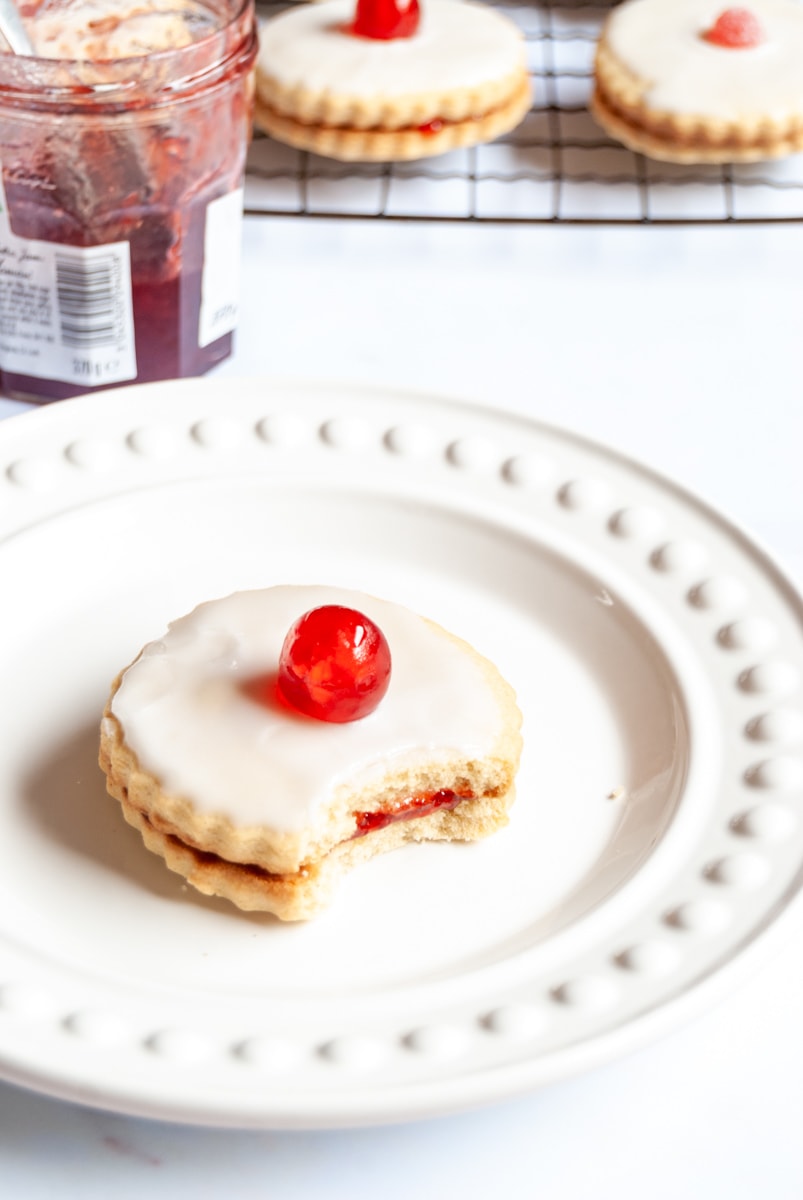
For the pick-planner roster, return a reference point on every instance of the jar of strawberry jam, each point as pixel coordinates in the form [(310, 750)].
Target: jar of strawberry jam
[(122, 148)]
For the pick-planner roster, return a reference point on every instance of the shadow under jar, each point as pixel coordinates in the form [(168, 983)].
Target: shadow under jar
[(120, 218)]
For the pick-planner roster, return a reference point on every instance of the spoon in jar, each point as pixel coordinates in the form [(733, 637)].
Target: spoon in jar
[(13, 30)]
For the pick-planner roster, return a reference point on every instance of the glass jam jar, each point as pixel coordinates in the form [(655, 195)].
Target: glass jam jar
[(122, 147)]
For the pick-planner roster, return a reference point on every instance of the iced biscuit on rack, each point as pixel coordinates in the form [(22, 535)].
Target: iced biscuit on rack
[(268, 742), (383, 82), (693, 81)]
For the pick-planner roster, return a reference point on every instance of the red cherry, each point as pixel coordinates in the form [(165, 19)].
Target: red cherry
[(334, 664), (385, 20), (735, 29)]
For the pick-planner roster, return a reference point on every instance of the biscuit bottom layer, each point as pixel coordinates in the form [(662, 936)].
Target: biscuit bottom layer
[(697, 147), (441, 816), (389, 145)]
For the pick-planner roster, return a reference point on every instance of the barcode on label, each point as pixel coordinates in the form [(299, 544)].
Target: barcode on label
[(88, 294), (66, 312)]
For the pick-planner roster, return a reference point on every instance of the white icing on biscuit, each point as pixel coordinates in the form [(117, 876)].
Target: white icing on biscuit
[(185, 716), (661, 42), (457, 45)]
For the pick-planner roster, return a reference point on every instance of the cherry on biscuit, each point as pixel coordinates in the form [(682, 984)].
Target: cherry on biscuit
[(386, 20), (735, 29), (334, 664)]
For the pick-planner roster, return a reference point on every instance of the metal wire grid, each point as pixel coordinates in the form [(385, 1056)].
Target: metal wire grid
[(558, 166)]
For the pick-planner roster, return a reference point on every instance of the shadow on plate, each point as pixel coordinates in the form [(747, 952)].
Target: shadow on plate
[(66, 796)]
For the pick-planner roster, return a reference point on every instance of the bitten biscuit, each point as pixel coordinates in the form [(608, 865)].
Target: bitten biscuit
[(693, 81), (459, 80), (259, 803)]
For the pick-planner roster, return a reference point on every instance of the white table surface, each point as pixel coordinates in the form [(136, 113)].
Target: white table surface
[(681, 346)]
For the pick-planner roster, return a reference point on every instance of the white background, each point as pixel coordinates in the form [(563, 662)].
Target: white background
[(681, 346)]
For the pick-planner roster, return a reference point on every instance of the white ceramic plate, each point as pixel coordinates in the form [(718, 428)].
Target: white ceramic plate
[(656, 840)]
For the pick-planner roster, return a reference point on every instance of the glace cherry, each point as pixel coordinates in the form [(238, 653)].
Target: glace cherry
[(385, 20), (334, 664), (735, 29)]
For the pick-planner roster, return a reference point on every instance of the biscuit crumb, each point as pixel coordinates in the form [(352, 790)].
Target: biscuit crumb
[(616, 794)]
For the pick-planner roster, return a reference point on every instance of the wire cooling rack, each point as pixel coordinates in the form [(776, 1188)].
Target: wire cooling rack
[(557, 166)]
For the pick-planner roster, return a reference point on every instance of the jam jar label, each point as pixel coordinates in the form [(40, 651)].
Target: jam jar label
[(220, 285), (65, 311)]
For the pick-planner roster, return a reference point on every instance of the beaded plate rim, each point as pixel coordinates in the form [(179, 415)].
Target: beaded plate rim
[(735, 894)]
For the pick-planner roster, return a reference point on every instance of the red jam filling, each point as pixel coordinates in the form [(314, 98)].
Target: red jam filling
[(385, 20), (405, 810), (735, 29)]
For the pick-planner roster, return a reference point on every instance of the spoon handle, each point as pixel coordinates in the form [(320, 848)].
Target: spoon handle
[(13, 30)]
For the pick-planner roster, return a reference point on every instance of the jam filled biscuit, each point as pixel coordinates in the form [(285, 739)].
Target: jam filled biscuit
[(383, 82), (273, 739), (692, 81)]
